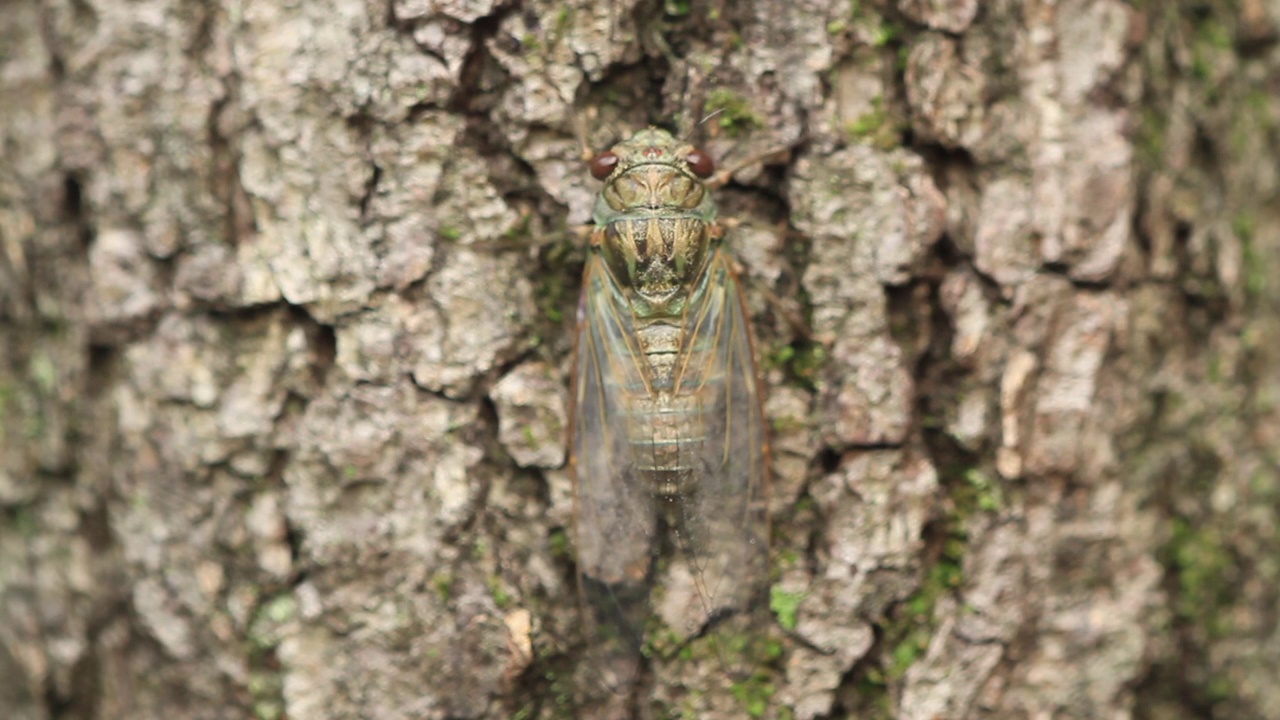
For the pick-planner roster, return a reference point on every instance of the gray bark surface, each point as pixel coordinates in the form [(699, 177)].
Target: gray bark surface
[(287, 293)]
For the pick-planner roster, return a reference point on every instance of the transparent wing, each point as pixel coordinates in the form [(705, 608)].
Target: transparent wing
[(614, 513), (722, 529)]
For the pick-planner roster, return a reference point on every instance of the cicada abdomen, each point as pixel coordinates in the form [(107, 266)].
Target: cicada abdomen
[(668, 445)]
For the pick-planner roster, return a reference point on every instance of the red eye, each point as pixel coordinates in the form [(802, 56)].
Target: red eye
[(602, 165), (700, 163)]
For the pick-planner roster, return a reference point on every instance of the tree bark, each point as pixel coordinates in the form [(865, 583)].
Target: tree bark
[(288, 295)]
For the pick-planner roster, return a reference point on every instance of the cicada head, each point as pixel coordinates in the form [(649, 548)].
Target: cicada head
[(653, 171)]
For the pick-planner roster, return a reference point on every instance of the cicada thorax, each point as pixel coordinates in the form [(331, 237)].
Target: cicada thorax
[(657, 259)]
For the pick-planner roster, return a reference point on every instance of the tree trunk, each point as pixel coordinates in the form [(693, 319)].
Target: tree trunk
[(288, 294)]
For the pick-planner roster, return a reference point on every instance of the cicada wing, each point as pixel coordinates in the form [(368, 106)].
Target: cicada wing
[(614, 514), (723, 531)]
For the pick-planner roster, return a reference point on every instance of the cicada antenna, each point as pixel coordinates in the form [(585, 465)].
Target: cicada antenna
[(688, 137)]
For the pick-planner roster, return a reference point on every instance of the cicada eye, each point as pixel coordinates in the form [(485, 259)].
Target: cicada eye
[(700, 163), (602, 165)]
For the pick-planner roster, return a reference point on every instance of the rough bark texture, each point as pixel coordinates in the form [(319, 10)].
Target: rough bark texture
[(287, 293)]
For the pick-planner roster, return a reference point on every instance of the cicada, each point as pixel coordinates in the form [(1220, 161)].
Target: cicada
[(668, 447)]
